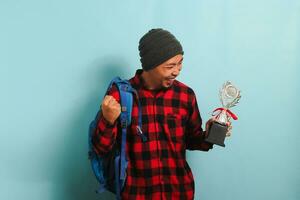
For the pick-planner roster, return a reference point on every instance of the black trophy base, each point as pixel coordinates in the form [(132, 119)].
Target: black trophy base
[(217, 134)]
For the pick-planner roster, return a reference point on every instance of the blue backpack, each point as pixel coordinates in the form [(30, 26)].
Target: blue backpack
[(110, 169)]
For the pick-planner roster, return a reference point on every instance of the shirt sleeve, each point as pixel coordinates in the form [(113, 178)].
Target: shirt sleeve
[(105, 134), (195, 135)]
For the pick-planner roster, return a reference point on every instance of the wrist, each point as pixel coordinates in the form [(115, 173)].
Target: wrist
[(108, 121)]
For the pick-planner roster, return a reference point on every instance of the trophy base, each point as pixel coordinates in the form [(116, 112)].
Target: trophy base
[(217, 134)]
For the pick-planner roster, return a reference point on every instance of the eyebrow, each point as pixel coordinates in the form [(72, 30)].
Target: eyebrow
[(175, 63)]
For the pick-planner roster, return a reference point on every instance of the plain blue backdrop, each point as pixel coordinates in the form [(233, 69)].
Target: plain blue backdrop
[(57, 57)]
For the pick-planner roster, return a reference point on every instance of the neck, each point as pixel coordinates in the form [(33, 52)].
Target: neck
[(149, 82)]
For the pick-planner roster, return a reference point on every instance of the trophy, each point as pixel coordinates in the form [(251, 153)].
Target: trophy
[(229, 97)]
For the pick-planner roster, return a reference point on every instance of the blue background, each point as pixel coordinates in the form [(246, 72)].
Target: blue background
[(56, 58)]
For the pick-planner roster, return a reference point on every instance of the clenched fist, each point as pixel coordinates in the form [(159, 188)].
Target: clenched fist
[(111, 109)]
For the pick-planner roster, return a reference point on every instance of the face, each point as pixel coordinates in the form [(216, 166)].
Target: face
[(165, 74)]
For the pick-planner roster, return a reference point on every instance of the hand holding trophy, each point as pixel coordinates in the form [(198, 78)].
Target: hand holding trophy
[(229, 97)]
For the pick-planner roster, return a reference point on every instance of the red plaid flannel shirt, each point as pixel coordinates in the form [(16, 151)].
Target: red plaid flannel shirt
[(157, 169)]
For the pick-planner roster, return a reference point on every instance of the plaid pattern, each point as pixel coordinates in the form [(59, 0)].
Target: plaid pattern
[(157, 169)]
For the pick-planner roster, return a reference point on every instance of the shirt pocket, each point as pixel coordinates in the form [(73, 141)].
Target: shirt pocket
[(174, 125)]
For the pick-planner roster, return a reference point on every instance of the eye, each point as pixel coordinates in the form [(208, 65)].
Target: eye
[(169, 67)]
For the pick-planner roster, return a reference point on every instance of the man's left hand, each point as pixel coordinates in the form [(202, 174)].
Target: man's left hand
[(211, 120), (229, 129)]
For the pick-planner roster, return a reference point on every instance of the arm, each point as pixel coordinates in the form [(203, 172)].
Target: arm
[(105, 134), (194, 133)]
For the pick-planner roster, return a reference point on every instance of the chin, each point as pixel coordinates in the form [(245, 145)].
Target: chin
[(167, 85)]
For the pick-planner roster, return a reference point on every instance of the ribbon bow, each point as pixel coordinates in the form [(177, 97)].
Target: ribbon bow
[(227, 111)]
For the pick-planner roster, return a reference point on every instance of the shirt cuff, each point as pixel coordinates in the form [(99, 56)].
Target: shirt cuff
[(207, 144)]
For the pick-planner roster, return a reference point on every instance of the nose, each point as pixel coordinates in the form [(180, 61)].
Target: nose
[(176, 71)]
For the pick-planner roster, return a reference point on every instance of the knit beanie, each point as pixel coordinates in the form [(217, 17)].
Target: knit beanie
[(156, 47)]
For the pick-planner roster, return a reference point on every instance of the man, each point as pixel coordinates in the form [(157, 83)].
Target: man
[(157, 169)]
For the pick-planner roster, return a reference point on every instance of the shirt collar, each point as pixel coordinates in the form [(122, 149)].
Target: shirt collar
[(139, 82)]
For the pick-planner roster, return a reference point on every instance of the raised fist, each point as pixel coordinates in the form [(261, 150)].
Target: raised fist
[(111, 109)]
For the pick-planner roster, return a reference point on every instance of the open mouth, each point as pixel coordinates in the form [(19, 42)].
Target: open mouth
[(170, 81)]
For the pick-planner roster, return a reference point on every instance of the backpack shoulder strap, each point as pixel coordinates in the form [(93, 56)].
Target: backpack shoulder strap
[(126, 101)]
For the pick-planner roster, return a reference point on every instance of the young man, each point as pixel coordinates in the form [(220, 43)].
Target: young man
[(157, 169)]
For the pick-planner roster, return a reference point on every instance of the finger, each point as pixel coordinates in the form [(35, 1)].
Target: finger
[(208, 125), (117, 108), (111, 101), (229, 131), (228, 123), (106, 99), (212, 119), (228, 134), (114, 103)]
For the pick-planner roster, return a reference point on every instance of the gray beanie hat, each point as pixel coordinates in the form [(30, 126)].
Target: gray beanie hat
[(156, 47)]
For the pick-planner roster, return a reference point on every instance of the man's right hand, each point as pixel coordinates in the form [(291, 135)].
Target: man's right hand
[(111, 109)]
